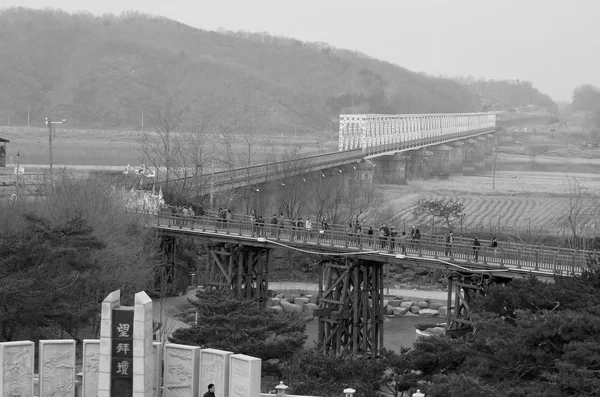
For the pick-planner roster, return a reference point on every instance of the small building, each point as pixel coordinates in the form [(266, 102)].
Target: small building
[(3, 143)]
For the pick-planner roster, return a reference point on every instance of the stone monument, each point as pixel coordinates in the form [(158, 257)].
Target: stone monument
[(57, 367), (181, 370), (126, 358), (17, 361), (244, 376), (91, 359), (214, 368)]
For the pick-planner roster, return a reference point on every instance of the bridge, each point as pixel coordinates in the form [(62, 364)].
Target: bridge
[(353, 269), (400, 140)]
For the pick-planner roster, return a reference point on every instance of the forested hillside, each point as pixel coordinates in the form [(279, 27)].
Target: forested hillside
[(103, 72)]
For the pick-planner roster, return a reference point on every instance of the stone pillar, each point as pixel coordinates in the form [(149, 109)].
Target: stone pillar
[(112, 301), (181, 370), (20, 356), (418, 163), (157, 360), (214, 368), (143, 335), (57, 367), (91, 360), (244, 376)]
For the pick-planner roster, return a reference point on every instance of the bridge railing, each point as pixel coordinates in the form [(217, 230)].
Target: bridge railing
[(551, 260)]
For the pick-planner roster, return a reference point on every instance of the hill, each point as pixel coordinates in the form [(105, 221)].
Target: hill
[(113, 71)]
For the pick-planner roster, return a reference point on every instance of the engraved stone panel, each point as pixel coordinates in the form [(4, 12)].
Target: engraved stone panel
[(214, 368), (91, 359), (57, 368), (181, 370), (244, 376), (16, 377)]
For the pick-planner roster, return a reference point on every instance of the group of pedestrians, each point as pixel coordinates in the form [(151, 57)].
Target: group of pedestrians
[(476, 246)]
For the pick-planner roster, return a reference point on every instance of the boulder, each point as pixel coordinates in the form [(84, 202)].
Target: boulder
[(399, 311), (389, 310), (291, 307), (311, 298), (442, 311), (309, 308), (435, 305), (421, 271), (276, 308), (269, 302), (435, 331), (301, 301), (428, 312), (190, 318), (395, 303), (415, 309), (280, 296), (275, 301), (408, 304), (423, 304)]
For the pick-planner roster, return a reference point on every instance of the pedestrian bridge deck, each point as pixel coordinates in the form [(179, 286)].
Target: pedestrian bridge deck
[(509, 260)]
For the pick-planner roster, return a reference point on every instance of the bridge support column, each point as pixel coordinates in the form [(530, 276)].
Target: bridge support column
[(456, 157), (241, 269), (440, 161), (390, 169), (350, 308), (418, 164), (461, 291)]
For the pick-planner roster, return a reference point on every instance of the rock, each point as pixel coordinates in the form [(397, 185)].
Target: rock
[(399, 311), (395, 303), (291, 307), (275, 301), (422, 271), (389, 310), (435, 305), (301, 301), (428, 312), (435, 330), (276, 308), (311, 298), (408, 304), (269, 302), (309, 308), (280, 296), (190, 318), (273, 361), (442, 311), (423, 304), (415, 309)]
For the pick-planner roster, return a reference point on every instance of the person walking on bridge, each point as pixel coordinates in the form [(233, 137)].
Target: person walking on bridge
[(308, 227), (449, 243), (476, 245)]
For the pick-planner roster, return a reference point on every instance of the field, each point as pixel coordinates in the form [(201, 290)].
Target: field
[(515, 200), (112, 148)]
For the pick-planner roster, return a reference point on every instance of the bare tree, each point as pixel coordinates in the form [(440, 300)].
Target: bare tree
[(579, 212)]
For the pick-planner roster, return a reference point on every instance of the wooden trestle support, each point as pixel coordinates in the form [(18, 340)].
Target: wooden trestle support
[(238, 268), (350, 307), (465, 288)]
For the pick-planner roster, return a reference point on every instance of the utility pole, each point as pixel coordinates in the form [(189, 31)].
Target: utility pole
[(49, 123), (494, 169)]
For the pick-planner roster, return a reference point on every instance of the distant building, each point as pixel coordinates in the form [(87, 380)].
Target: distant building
[(3, 143)]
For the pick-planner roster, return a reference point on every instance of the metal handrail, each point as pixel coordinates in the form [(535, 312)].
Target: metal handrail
[(546, 259)]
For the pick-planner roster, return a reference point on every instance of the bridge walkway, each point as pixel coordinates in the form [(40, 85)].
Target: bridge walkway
[(508, 260)]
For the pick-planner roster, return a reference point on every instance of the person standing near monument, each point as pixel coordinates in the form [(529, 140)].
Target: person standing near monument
[(211, 391)]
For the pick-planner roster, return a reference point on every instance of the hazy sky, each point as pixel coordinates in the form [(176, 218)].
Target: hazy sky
[(555, 44)]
